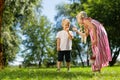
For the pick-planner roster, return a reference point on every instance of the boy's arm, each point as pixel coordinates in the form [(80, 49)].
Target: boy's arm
[(58, 44), (69, 35)]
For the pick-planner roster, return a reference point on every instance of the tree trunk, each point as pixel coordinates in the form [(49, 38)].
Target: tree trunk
[(88, 60), (1, 60), (1, 51), (80, 57), (78, 49), (114, 58), (89, 53), (81, 60), (39, 64)]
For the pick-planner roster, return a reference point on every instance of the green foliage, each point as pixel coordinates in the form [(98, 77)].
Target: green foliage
[(68, 10), (15, 11), (38, 40), (108, 73)]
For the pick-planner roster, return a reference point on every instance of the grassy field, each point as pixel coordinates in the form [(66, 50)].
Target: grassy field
[(108, 73)]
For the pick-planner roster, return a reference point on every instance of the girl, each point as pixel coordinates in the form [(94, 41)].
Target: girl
[(99, 40)]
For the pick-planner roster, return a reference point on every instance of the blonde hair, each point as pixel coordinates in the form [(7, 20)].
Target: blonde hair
[(82, 14), (65, 21)]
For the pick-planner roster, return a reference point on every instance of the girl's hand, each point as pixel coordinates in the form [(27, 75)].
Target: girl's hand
[(74, 29)]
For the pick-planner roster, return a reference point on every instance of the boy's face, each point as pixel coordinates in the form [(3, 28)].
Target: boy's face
[(66, 25)]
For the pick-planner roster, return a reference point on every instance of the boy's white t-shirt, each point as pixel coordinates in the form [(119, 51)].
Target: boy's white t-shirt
[(65, 42)]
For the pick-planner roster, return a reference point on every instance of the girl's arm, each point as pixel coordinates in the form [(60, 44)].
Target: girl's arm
[(79, 32), (83, 35)]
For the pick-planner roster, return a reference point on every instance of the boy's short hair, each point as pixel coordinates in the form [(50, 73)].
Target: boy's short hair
[(65, 20)]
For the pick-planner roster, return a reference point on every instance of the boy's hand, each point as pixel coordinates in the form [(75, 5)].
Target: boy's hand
[(69, 35), (58, 48), (67, 29)]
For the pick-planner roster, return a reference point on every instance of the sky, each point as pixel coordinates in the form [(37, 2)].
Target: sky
[(49, 8)]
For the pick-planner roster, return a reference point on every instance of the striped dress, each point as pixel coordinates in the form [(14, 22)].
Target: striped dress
[(102, 50)]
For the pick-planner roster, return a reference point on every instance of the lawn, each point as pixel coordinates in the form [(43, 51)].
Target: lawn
[(78, 73)]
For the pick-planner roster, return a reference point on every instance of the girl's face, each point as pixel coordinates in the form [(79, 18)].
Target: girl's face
[(79, 20)]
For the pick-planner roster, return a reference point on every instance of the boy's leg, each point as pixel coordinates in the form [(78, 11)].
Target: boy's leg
[(68, 58), (60, 59), (58, 65), (68, 66)]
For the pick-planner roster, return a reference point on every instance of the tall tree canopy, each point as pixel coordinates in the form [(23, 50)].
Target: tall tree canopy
[(38, 41), (15, 11)]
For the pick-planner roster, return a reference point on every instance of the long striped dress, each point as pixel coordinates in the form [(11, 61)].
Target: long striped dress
[(102, 50)]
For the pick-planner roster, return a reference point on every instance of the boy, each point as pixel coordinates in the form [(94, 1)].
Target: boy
[(64, 44)]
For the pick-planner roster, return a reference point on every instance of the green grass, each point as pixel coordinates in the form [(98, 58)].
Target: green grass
[(108, 73)]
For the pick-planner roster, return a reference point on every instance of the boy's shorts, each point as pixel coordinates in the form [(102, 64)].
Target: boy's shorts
[(67, 55)]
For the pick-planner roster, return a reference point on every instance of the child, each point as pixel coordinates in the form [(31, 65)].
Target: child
[(99, 41), (64, 44)]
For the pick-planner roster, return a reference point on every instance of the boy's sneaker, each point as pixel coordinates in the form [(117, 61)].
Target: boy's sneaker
[(58, 70), (68, 70)]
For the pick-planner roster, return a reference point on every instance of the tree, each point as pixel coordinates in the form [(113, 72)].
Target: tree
[(1, 44), (15, 11), (37, 42)]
